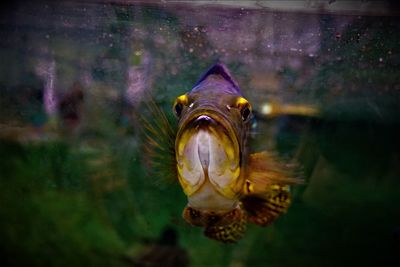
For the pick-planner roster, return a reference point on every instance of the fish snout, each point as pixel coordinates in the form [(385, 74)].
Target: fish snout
[(204, 121)]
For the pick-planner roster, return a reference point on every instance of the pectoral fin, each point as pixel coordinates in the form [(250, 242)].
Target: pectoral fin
[(265, 169), (266, 193), (159, 148)]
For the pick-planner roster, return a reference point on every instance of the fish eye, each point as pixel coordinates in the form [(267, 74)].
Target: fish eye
[(245, 113), (179, 104), (244, 107), (178, 109)]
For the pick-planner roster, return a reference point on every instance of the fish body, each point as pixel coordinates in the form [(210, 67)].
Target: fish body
[(226, 185)]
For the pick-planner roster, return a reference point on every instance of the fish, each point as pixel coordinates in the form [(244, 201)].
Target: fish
[(226, 184)]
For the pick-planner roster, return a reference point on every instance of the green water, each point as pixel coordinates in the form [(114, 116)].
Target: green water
[(81, 194)]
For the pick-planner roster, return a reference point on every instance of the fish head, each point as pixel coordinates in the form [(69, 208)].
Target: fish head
[(214, 121)]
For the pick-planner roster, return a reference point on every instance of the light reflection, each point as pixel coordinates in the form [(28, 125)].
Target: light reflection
[(270, 109), (47, 71)]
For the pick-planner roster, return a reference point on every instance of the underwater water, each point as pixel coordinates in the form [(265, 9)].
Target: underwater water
[(75, 78)]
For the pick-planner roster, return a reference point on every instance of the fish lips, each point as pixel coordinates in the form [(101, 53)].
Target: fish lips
[(204, 118)]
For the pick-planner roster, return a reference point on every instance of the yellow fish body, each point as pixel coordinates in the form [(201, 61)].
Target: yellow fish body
[(226, 186)]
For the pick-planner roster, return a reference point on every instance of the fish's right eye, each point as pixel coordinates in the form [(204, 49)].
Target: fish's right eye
[(180, 102)]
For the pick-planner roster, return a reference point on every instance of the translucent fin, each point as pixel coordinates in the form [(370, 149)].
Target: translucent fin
[(263, 210), (159, 145), (265, 169), (266, 192)]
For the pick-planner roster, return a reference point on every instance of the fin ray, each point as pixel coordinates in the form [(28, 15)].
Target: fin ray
[(159, 147), (266, 169), (266, 191)]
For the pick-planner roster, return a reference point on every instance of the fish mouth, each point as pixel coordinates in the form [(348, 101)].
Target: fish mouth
[(208, 158)]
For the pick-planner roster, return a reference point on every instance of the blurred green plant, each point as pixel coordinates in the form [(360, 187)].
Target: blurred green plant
[(47, 217)]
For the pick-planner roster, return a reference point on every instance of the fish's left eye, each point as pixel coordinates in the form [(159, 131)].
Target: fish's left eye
[(245, 113), (179, 104), (244, 107)]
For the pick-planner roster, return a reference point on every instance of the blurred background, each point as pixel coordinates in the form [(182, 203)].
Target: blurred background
[(75, 77)]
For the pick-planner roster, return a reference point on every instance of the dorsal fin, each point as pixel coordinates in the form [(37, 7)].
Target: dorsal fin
[(220, 70)]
